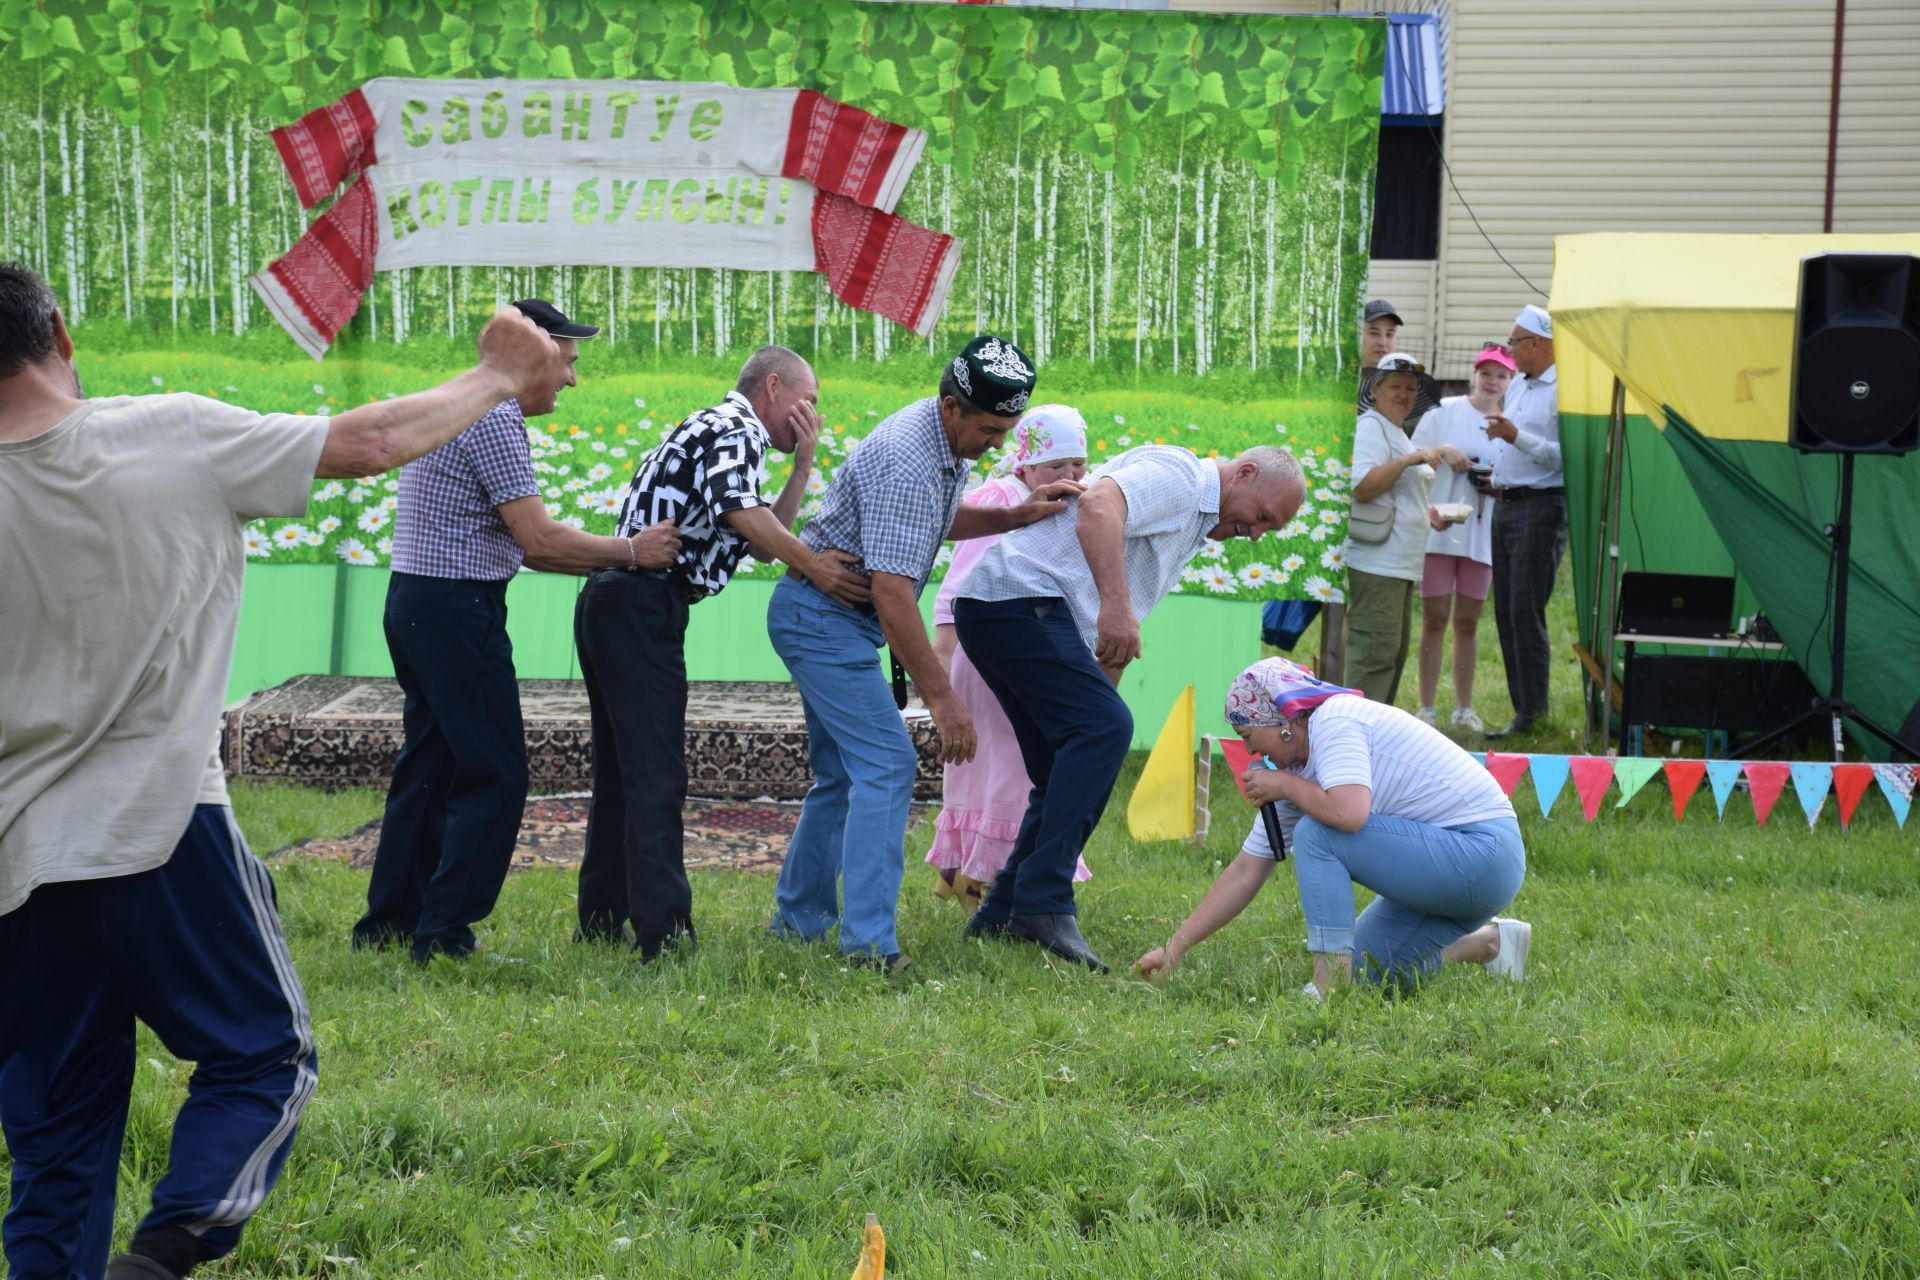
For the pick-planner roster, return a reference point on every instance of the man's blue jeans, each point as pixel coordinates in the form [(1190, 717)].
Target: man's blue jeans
[(853, 826), (1435, 885), (1073, 730)]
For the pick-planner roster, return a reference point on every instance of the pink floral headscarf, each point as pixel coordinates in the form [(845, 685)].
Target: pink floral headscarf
[(1273, 691), (1045, 433)]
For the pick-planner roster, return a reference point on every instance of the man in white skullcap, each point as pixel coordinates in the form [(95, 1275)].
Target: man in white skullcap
[(1530, 520)]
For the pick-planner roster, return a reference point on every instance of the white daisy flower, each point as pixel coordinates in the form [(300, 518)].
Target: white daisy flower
[(1212, 550), (329, 491), (1293, 563), (553, 491), (598, 446), (389, 504), (639, 403), (816, 483), (372, 520), (256, 543), (1280, 580), (1123, 441), (357, 494), (323, 411), (1193, 577), (553, 509), (384, 546), (1336, 467), (1280, 428), (574, 522), (1193, 426), (943, 557), (353, 551), (1117, 418), (1319, 533), (1337, 485), (574, 485), (1330, 516), (289, 535), (599, 471), (646, 424), (313, 539), (328, 524), (1323, 494), (1256, 575), (1318, 589), (319, 390), (1220, 580), (1295, 529), (157, 381), (1334, 557), (618, 451), (391, 486)]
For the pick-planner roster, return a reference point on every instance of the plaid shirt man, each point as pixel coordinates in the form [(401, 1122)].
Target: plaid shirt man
[(707, 466), (894, 498), (1173, 499), (448, 523)]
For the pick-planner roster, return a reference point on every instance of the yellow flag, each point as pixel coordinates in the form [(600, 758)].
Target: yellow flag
[(1163, 801), (873, 1253)]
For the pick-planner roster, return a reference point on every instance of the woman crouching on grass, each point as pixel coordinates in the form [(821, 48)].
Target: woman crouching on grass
[(1367, 794)]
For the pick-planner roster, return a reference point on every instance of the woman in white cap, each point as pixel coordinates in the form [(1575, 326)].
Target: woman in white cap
[(985, 798), (1366, 794), (1387, 534), (1459, 564)]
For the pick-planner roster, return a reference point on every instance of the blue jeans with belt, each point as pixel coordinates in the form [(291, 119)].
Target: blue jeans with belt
[(853, 826), (1435, 885)]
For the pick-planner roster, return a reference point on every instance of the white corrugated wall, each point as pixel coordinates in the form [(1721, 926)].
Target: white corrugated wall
[(1653, 115)]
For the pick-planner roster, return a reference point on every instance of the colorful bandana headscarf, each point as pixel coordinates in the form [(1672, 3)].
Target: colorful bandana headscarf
[(1047, 433), (1273, 691)]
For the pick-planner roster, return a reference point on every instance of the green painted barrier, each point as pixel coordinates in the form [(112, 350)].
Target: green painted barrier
[(318, 619)]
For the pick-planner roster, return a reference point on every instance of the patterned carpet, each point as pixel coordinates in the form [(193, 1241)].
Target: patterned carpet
[(744, 835)]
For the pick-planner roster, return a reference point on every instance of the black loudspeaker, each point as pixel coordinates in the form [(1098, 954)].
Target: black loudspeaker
[(1856, 354)]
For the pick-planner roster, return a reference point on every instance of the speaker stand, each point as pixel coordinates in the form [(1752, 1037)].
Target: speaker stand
[(1833, 711)]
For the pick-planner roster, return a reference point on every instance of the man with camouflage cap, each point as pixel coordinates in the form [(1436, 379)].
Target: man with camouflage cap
[(892, 503)]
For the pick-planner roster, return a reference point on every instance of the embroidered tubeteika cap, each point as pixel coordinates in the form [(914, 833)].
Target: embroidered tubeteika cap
[(994, 375)]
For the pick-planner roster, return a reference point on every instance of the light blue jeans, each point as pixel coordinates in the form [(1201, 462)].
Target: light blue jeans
[(854, 823), (1435, 885)]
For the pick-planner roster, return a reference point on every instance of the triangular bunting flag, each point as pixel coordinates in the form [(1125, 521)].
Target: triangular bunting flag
[(1811, 781), (1506, 770), (1549, 776), (1766, 778), (1896, 784), (1634, 772), (1722, 774), (1591, 777), (1238, 758), (1683, 779), (1479, 758), (1162, 804), (1850, 782)]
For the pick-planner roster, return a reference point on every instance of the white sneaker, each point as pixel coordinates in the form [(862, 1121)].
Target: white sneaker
[(1515, 937), (1467, 718), (1427, 715), (1312, 993)]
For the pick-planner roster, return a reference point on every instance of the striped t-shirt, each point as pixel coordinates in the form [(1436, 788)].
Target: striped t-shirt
[(1414, 770)]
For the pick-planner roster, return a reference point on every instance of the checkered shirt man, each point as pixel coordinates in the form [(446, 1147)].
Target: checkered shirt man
[(1173, 500), (894, 498), (448, 522), (707, 466)]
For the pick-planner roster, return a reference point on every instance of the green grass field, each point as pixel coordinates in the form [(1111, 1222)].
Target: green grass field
[(1711, 1070)]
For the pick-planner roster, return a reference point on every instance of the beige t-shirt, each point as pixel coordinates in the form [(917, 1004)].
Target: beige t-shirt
[(119, 598)]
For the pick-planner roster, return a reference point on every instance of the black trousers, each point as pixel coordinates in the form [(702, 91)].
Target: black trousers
[(631, 631), (460, 785), (1529, 537)]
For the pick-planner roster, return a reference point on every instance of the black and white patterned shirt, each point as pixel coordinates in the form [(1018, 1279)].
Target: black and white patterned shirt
[(705, 467)]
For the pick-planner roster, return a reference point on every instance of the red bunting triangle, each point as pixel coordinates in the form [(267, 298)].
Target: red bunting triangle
[(1238, 758), (1592, 775), (1766, 777), (1850, 782), (1683, 779), (1507, 770)]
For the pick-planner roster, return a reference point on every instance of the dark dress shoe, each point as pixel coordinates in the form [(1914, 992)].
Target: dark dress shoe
[(605, 936), (131, 1266), (1518, 727), (978, 927), (1059, 934)]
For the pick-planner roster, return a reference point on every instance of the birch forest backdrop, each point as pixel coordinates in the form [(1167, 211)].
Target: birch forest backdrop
[(1168, 211)]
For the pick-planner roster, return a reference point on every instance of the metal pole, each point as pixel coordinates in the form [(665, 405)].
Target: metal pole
[(1616, 449)]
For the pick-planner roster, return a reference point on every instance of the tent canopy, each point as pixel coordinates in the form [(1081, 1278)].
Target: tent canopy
[(1699, 330)]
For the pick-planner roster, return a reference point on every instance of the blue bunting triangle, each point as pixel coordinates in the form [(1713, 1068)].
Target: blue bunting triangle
[(1811, 781), (1549, 777), (1896, 784), (1723, 774)]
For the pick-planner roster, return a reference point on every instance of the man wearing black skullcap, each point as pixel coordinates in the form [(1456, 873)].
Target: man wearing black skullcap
[(891, 504), (470, 513)]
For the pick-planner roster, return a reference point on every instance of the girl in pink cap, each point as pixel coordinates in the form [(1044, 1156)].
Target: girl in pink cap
[(985, 798), (1459, 564)]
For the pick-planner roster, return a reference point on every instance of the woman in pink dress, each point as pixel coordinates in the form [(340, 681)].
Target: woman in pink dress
[(986, 797)]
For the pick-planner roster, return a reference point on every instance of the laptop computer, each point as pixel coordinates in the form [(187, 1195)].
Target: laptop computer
[(1698, 606)]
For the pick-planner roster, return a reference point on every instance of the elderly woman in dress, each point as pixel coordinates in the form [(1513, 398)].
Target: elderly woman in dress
[(1367, 794), (985, 798), (1386, 556)]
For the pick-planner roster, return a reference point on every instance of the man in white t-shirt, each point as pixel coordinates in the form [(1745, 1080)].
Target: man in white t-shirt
[(126, 890)]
